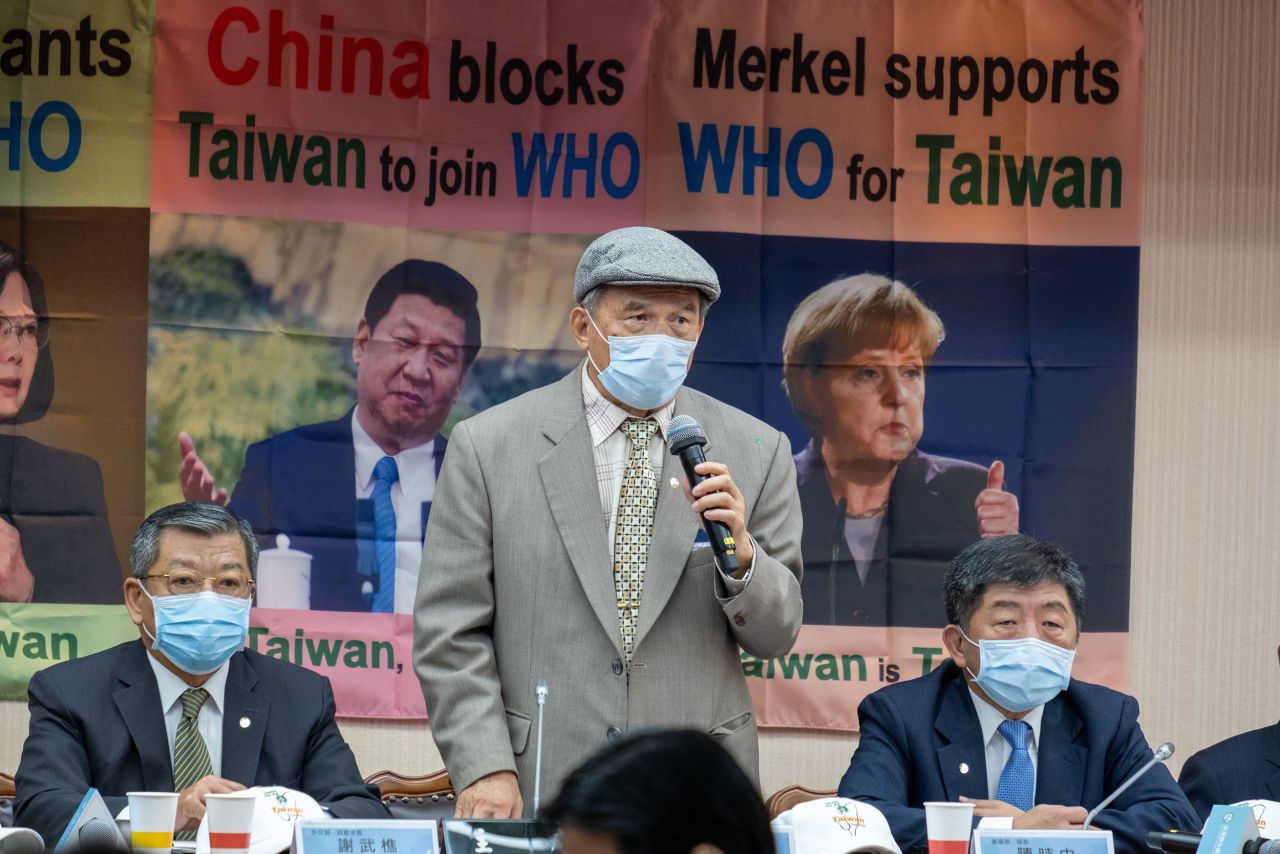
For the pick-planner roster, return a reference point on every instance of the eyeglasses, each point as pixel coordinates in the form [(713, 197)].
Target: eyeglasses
[(27, 331), (228, 584)]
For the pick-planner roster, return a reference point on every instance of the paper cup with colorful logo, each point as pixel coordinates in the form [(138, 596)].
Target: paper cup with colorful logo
[(230, 819), (151, 817), (948, 826)]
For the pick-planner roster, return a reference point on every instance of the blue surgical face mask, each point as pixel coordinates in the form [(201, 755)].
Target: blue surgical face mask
[(1022, 673), (645, 371), (198, 632)]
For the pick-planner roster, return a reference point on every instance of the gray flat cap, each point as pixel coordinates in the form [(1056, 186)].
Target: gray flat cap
[(643, 256)]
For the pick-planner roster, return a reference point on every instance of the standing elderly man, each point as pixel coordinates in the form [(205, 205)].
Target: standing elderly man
[(1003, 724), (603, 593), (185, 708)]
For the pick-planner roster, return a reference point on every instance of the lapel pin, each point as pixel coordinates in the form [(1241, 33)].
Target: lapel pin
[(244, 723), (964, 766), (674, 483)]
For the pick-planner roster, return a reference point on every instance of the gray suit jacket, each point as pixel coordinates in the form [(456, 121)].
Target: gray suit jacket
[(517, 586)]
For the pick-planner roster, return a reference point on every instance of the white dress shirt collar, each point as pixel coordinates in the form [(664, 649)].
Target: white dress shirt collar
[(604, 416), (172, 688), (990, 718), (368, 454)]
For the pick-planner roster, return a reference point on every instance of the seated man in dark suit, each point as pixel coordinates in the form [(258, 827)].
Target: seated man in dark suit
[(116, 720), (340, 488), (1245, 767), (1002, 724)]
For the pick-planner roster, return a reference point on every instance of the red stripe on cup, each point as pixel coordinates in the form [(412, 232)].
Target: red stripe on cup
[(228, 840)]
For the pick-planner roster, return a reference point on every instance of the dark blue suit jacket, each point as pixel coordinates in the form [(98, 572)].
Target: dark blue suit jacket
[(97, 721), (916, 734), (302, 483), (1242, 768)]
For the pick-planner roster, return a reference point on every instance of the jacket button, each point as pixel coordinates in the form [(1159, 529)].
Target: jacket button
[(613, 733), (739, 620), (617, 667)]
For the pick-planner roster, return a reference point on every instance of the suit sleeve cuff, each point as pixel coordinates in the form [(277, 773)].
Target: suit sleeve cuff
[(730, 586)]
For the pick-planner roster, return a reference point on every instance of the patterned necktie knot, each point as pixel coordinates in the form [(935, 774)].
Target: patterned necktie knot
[(192, 700), (639, 431), (1015, 732), (385, 473)]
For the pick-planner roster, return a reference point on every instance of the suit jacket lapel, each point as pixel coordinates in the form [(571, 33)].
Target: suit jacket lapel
[(242, 745), (138, 699), (1060, 760), (674, 527), (957, 724), (568, 474), (306, 498)]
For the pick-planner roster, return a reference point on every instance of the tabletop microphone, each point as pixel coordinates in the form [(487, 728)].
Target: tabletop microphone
[(1187, 843), (686, 439), (1162, 753), (541, 693)]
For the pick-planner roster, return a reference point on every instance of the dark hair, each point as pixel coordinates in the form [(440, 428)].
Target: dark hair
[(40, 391), (665, 792), (1015, 559), (200, 517), (441, 284)]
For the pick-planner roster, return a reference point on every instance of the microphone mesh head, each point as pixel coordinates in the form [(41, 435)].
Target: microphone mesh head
[(682, 428), (1164, 751), (97, 834)]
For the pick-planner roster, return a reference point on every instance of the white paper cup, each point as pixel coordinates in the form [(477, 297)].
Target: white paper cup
[(230, 819), (151, 818), (948, 826)]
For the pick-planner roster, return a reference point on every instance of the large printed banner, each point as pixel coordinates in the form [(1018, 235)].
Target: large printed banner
[(985, 157)]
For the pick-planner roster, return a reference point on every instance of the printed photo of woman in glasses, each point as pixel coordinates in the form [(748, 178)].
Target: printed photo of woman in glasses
[(55, 543)]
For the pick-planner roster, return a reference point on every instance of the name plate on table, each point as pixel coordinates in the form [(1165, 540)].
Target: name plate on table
[(365, 836), (494, 836), (988, 841), (1227, 830)]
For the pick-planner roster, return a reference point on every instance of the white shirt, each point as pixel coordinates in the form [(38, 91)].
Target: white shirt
[(998, 748), (417, 484), (209, 721), (612, 447)]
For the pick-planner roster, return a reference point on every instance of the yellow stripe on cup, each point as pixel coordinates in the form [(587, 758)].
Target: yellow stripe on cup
[(153, 839)]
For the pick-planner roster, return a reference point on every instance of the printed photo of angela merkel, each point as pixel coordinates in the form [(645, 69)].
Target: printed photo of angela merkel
[(882, 519)]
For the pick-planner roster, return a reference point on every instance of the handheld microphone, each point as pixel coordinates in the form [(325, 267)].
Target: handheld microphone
[(1162, 753), (686, 439), (1187, 843), (541, 693)]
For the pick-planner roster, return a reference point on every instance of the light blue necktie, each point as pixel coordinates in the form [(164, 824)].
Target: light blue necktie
[(385, 474), (1018, 779)]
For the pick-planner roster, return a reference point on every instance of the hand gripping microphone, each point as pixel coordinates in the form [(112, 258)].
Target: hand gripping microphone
[(686, 440), (1162, 753)]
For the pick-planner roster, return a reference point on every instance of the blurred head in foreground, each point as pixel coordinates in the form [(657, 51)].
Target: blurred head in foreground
[(661, 792)]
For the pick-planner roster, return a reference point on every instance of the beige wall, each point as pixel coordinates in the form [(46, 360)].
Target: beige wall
[(1203, 642)]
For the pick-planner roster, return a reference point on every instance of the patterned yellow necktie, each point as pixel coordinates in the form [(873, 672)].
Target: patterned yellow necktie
[(190, 755), (634, 529)]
